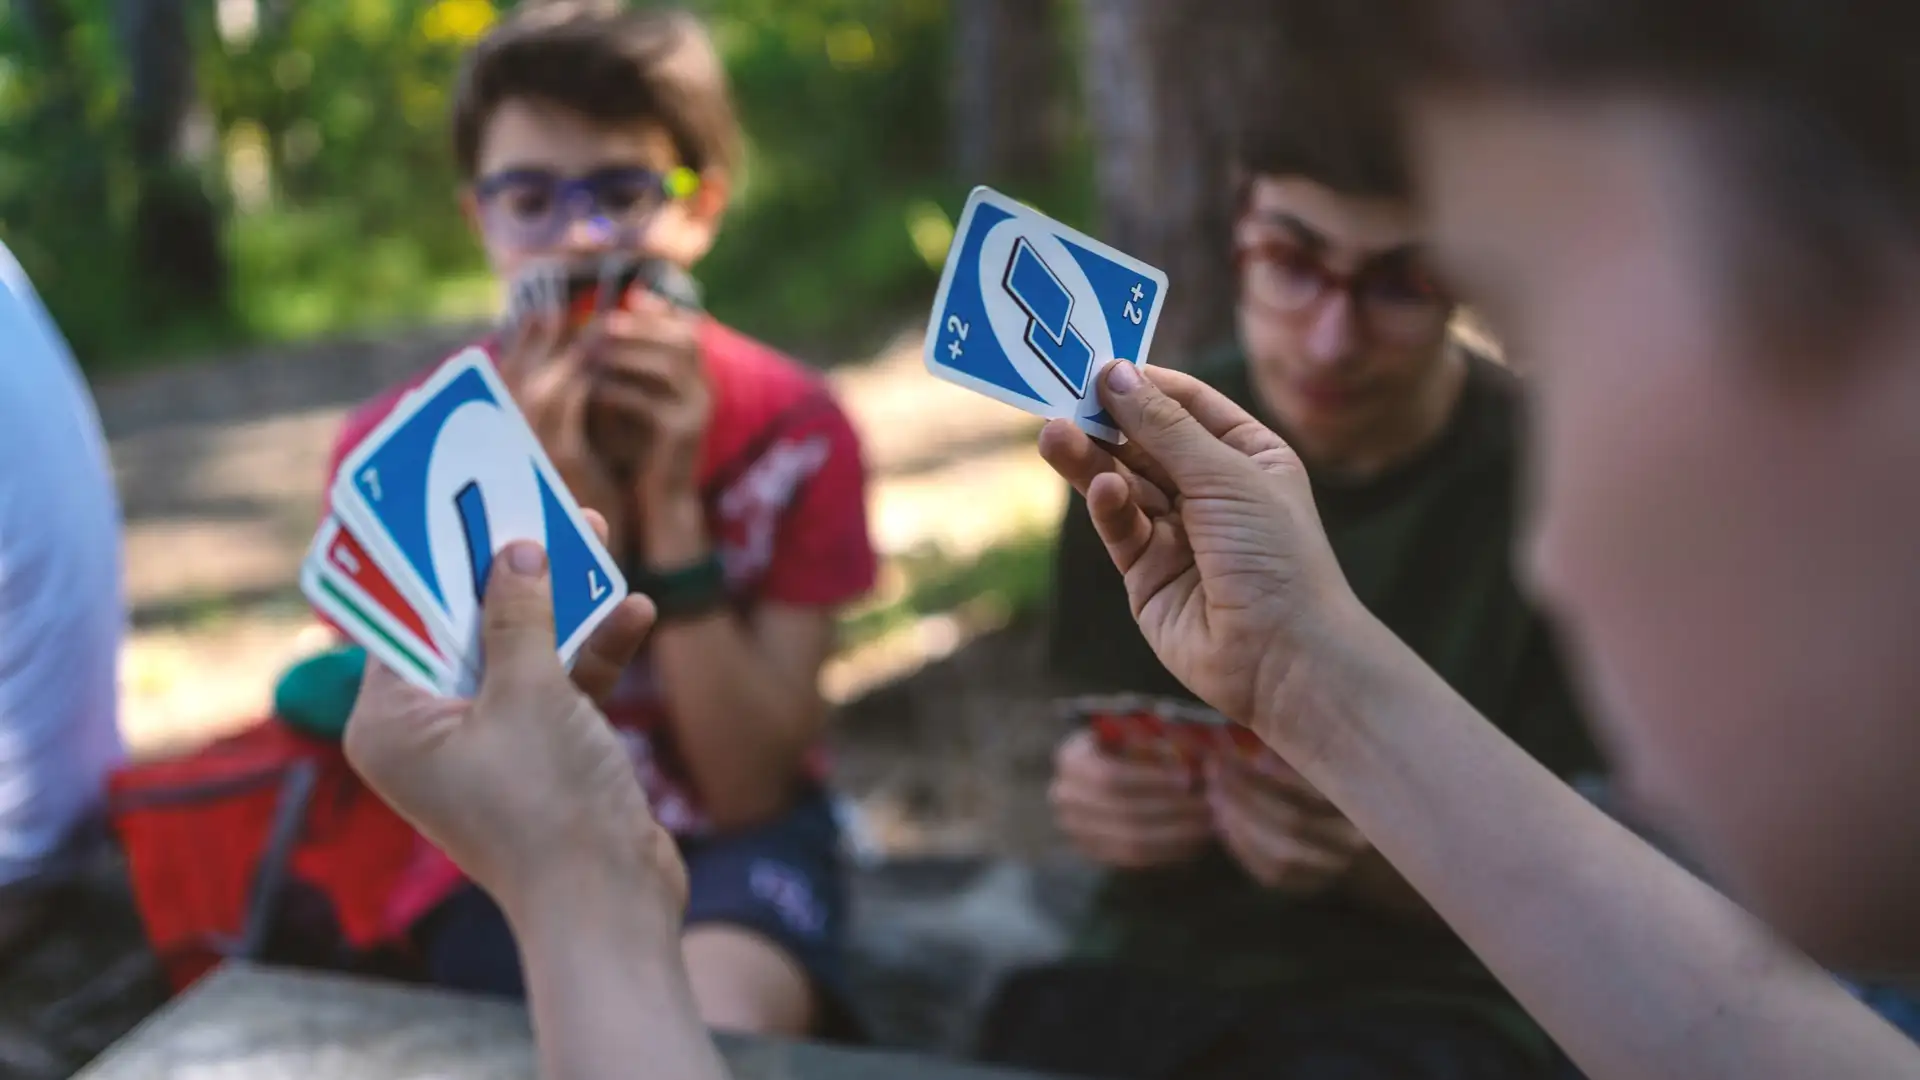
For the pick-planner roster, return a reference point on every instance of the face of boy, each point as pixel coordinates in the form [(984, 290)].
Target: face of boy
[(1344, 325), (541, 138), (1729, 536)]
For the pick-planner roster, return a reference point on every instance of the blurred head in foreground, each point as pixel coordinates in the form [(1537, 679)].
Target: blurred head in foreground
[(1699, 222)]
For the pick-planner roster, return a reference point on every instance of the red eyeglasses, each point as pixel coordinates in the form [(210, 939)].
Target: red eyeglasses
[(1393, 294)]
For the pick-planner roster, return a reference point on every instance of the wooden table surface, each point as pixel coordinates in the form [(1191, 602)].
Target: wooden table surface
[(260, 1023)]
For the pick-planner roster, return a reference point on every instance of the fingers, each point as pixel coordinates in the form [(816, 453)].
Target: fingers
[(1122, 525), (1282, 863), (1073, 454), (384, 699), (1079, 459), (1133, 847), (1263, 811), (1168, 433), (532, 340), (516, 625), (596, 521), (1083, 765), (1216, 412), (607, 653), (1124, 813), (1268, 772)]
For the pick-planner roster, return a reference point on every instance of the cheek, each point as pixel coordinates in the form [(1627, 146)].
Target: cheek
[(677, 236), (1643, 495), (1271, 342), (1732, 561)]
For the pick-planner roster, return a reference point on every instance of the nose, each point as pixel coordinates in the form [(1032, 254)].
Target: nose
[(586, 233), (1331, 333)]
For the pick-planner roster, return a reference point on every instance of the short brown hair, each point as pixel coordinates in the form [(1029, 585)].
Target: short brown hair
[(1810, 114), (607, 62), (1336, 128)]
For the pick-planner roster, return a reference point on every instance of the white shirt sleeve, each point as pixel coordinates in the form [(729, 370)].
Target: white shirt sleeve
[(61, 609)]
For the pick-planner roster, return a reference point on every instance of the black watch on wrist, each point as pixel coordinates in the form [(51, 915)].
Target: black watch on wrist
[(683, 593)]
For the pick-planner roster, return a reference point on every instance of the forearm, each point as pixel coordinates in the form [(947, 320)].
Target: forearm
[(1637, 968), (607, 987), (742, 717), (742, 723)]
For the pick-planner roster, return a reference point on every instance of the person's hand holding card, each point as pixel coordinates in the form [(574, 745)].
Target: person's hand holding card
[(650, 398), (526, 786), (1282, 832), (1127, 813)]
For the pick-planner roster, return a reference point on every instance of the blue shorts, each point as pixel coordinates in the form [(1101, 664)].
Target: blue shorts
[(783, 880)]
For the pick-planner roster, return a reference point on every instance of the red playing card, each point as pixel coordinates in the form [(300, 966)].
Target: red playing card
[(346, 554)]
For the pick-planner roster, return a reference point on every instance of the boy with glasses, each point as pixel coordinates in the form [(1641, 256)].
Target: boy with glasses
[(1241, 883), (731, 481)]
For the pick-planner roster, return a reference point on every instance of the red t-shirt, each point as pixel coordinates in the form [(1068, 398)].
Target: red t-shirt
[(784, 485)]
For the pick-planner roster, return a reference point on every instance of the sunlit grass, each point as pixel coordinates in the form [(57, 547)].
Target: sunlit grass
[(1008, 579)]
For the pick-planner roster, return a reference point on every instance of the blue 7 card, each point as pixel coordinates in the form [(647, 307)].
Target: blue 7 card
[(449, 478), (1029, 312)]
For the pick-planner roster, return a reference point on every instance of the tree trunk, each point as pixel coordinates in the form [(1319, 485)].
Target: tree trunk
[(176, 229), (1008, 109), (1168, 82)]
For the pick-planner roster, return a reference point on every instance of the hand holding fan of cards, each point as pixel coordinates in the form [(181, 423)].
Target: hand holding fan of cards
[(420, 507), (452, 475)]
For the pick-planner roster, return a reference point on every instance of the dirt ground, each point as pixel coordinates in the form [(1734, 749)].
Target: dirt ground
[(944, 735)]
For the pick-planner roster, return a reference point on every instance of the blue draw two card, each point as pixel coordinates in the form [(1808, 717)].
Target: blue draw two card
[(449, 478), (1030, 311)]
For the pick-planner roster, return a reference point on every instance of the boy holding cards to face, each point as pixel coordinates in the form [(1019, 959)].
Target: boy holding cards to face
[(599, 145)]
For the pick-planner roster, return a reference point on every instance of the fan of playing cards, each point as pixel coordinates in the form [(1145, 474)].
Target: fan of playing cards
[(450, 477), (582, 291)]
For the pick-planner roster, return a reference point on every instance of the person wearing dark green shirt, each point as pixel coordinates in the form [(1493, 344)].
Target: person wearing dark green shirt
[(1247, 881)]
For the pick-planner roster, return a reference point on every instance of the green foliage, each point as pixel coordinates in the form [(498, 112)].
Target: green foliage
[(327, 155), (1010, 579)]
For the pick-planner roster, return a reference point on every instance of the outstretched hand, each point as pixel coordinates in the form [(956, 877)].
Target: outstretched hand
[(526, 786), (1210, 517)]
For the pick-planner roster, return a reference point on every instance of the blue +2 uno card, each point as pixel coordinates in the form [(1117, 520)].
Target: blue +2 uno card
[(450, 477), (1030, 312)]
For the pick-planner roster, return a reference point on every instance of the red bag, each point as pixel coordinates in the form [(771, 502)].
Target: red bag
[(211, 838)]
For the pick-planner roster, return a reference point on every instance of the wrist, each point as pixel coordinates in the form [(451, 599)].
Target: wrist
[(631, 884), (674, 531), (1309, 704)]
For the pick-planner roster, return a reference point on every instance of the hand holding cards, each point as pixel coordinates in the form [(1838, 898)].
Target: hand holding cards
[(1029, 312), (582, 290), (1144, 728), (450, 477)]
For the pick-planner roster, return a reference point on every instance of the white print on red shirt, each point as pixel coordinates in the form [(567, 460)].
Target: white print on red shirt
[(750, 510)]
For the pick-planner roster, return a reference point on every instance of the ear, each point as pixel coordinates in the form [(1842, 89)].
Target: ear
[(705, 208), (709, 204)]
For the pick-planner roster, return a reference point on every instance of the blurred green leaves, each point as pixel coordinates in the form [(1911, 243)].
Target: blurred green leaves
[(329, 160)]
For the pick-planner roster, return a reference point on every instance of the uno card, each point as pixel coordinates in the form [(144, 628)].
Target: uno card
[(344, 583), (1030, 311), (450, 477)]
